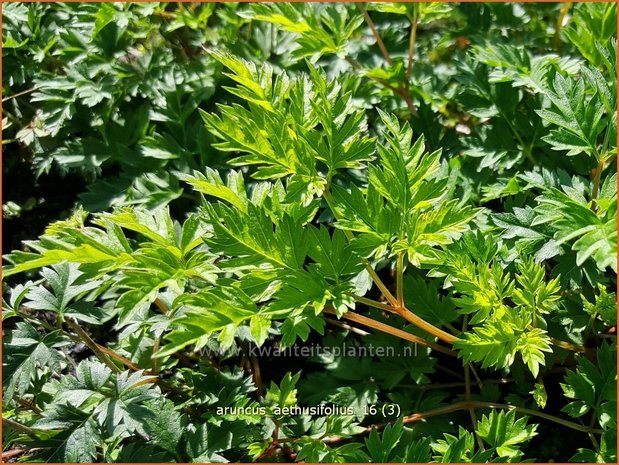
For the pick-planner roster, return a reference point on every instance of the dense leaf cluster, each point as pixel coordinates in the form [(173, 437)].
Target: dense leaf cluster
[(259, 177)]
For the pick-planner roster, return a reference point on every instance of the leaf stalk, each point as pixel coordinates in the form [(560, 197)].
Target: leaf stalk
[(91, 345)]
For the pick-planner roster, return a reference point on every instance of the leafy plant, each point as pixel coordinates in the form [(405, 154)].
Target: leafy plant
[(444, 217)]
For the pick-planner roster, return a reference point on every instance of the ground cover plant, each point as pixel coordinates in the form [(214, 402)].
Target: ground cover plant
[(373, 232)]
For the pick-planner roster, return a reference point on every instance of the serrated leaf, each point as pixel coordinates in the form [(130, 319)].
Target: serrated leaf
[(532, 345), (207, 312), (26, 351), (492, 345), (67, 283), (212, 184), (505, 433)]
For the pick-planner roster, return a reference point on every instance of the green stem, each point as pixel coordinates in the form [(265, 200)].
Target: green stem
[(400, 279), (479, 381), (411, 44), (535, 413), (388, 295), (379, 41), (75, 338), (19, 427), (568, 345), (372, 303), (556, 40), (596, 183), (153, 359), (589, 326), (397, 308), (92, 345), (36, 321), (19, 94), (398, 91), (473, 415), (455, 384), (525, 149)]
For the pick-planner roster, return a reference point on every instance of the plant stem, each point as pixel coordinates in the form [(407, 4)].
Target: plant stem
[(455, 384), (589, 326), (452, 374), (556, 40), (464, 405), (467, 391), (411, 44), (397, 308), (372, 303), (41, 323), (28, 404), (594, 441), (421, 323), (568, 345), (379, 41), (14, 453), (160, 305), (409, 316), (405, 94), (401, 91), (526, 150), (119, 358), (388, 295), (347, 327), (491, 405), (255, 368), (153, 359), (274, 441), (19, 94), (85, 338), (467, 395), (546, 416), (596, 183), (74, 338), (400, 279), (370, 323), (19, 427), (479, 381)]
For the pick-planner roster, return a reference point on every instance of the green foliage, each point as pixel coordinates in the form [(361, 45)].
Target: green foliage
[(29, 355), (605, 306), (64, 280), (496, 344), (592, 23), (595, 234), (94, 406), (321, 30), (593, 387), (503, 432), (116, 91), (458, 449), (380, 448), (310, 232)]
